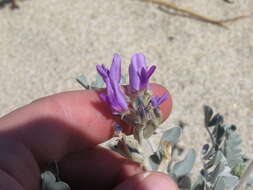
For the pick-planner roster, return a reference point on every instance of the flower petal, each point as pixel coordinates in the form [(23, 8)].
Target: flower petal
[(134, 79), (151, 71), (115, 70), (163, 98), (119, 96), (103, 71), (139, 61), (103, 97), (156, 101)]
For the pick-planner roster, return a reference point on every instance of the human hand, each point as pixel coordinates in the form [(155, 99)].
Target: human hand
[(66, 127)]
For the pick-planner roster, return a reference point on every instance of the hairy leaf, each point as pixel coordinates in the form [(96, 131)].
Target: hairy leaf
[(232, 149), (185, 166), (155, 160), (83, 81), (172, 135), (98, 83), (208, 112), (49, 182)]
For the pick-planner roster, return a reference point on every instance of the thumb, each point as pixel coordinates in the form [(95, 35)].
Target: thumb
[(148, 181)]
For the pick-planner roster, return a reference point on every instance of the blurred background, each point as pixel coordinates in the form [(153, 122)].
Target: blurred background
[(45, 45)]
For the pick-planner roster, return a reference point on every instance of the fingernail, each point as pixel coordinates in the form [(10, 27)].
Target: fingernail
[(156, 181), (133, 182), (148, 181)]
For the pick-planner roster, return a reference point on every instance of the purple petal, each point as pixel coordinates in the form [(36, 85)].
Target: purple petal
[(111, 95), (154, 101), (151, 71), (139, 61), (119, 96), (134, 79), (163, 98), (115, 70), (157, 101), (104, 98), (143, 79), (103, 71)]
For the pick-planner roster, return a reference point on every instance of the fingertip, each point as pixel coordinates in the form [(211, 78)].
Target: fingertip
[(148, 181)]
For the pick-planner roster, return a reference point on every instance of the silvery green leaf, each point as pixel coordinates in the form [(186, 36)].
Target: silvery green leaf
[(220, 184), (48, 178), (231, 181), (208, 112), (220, 158), (83, 81), (98, 83), (185, 166), (220, 164), (232, 149), (49, 182), (213, 175), (210, 154), (249, 181), (211, 158), (219, 134), (199, 184), (172, 135), (155, 160), (216, 120)]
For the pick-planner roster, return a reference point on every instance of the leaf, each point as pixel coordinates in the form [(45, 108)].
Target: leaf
[(231, 181), (98, 83), (199, 184), (172, 135), (83, 81), (155, 160), (205, 148), (249, 181), (49, 182), (216, 120), (220, 184), (219, 163), (185, 166), (48, 178), (219, 135), (208, 112), (232, 149)]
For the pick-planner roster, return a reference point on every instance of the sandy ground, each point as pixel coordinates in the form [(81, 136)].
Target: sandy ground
[(45, 44)]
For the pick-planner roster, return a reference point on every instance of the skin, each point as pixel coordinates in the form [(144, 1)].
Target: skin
[(66, 127)]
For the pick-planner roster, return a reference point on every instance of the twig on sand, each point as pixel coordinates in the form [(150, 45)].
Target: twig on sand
[(220, 23)]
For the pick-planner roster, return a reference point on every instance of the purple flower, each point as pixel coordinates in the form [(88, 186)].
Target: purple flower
[(139, 74), (156, 101), (114, 95)]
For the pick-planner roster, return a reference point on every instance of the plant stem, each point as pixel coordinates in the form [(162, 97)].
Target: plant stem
[(189, 12), (246, 174), (220, 23)]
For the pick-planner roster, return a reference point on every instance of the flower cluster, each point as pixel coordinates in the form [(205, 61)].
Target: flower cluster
[(139, 75)]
